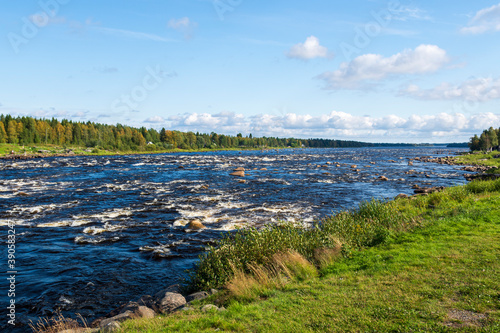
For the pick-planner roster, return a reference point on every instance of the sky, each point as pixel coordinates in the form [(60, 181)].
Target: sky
[(375, 71)]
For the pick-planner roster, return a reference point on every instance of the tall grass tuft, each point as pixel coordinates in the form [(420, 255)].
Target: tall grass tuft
[(284, 266), (293, 265)]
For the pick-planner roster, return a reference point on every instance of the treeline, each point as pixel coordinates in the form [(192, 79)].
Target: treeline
[(487, 141), (29, 130)]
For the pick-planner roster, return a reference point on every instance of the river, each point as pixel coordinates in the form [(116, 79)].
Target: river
[(95, 232)]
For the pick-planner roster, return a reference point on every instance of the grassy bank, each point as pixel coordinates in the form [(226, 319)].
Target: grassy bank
[(486, 159), (438, 273)]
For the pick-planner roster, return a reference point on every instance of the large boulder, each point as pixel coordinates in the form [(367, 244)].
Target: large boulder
[(238, 173), (168, 302), (239, 169)]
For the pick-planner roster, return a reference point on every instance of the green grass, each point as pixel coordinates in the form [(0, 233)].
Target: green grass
[(479, 158), (446, 260)]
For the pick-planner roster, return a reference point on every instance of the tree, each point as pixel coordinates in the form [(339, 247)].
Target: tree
[(3, 133), (474, 143), (12, 131), (492, 133)]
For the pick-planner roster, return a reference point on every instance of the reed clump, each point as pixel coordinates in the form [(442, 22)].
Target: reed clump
[(371, 224)]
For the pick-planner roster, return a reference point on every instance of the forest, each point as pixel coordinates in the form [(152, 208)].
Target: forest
[(29, 130)]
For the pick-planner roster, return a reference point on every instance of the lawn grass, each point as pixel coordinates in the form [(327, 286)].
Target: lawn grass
[(441, 275)]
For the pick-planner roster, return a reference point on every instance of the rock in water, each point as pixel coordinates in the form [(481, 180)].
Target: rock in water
[(195, 225), (239, 169), (383, 178), (238, 173)]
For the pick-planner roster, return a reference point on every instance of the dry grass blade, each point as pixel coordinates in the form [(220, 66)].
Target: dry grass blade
[(57, 324)]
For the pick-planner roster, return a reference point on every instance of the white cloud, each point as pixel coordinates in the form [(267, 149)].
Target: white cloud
[(223, 121), (443, 127), (487, 19), (310, 49), (474, 90), (370, 68), (155, 120), (184, 25)]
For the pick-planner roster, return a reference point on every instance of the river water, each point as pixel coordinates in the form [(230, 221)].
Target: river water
[(95, 232)]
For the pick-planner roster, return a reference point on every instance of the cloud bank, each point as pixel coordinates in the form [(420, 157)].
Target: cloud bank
[(443, 127), (473, 90)]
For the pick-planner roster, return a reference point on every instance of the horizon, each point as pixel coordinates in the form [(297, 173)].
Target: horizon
[(362, 71)]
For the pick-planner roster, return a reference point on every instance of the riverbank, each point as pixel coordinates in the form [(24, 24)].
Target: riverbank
[(17, 152), (433, 268), (442, 276)]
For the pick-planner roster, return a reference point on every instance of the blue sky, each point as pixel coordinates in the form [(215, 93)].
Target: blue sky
[(397, 71)]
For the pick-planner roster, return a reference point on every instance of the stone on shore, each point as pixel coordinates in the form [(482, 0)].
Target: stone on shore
[(401, 196), (169, 302), (116, 319), (210, 307), (112, 326), (197, 296), (139, 311)]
